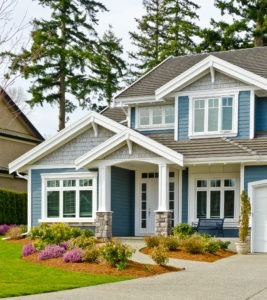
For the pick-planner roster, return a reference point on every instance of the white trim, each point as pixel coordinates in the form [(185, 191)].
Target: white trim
[(29, 191), (218, 64), (119, 139), (62, 138), (116, 97), (71, 176), (242, 177), (137, 203), (176, 119), (163, 182), (251, 191), (137, 100), (180, 196), (104, 197), (252, 114)]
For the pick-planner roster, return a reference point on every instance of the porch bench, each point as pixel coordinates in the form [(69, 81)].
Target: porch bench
[(210, 224)]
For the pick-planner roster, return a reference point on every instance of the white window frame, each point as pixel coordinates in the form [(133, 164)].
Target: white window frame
[(69, 176), (150, 125), (220, 132)]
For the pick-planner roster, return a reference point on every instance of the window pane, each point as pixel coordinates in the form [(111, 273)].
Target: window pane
[(213, 115), (169, 114), (69, 204), (229, 182), (229, 203), (227, 113), (144, 116), (157, 115), (215, 183), (86, 206), (215, 200), (67, 183), (52, 183), (201, 204), (201, 183), (199, 116), (53, 204), (86, 182)]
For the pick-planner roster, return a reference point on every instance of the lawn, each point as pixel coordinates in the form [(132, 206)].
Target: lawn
[(18, 277)]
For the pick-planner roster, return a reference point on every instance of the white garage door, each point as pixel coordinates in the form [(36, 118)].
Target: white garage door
[(259, 221)]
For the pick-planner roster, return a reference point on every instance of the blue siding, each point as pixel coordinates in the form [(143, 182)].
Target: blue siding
[(36, 191), (122, 201), (133, 117), (185, 196), (157, 131), (243, 115), (254, 173), (260, 114), (183, 117)]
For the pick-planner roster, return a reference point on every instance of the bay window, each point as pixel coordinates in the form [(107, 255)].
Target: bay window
[(69, 197)]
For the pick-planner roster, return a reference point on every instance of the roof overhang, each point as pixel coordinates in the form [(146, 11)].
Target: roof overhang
[(210, 64), (90, 120), (128, 136)]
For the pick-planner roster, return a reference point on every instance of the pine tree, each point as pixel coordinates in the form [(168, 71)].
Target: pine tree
[(181, 18), (247, 29), (110, 66), (61, 55), (150, 36)]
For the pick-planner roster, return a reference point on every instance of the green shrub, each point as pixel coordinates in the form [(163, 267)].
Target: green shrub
[(91, 254), (87, 232), (24, 228), (183, 230), (170, 242), (152, 241), (115, 253), (224, 245), (159, 255), (212, 246), (82, 242), (194, 244)]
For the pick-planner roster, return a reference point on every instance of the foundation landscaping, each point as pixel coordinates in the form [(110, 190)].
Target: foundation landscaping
[(58, 257)]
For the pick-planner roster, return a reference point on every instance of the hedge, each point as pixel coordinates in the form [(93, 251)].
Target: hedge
[(13, 207)]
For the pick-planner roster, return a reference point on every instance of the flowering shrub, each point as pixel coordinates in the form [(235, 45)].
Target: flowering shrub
[(65, 245), (51, 252), (115, 253), (170, 242), (74, 256), (91, 254), (159, 255), (195, 244), (28, 250), (14, 233), (152, 241), (4, 228), (82, 242)]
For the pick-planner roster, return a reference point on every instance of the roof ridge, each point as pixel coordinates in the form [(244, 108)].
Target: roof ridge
[(245, 148)]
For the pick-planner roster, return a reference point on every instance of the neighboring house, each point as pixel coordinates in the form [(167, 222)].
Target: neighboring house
[(17, 136), (181, 144)]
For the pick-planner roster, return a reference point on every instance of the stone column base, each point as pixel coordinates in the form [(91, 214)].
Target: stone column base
[(103, 228), (163, 223)]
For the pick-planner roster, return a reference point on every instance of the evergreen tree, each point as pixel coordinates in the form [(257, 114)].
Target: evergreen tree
[(150, 36), (61, 55), (109, 65), (181, 18), (248, 27)]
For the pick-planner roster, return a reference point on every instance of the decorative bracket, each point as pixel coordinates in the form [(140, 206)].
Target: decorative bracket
[(129, 144), (95, 127), (212, 73)]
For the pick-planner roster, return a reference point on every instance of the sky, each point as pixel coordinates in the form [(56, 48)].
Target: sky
[(121, 16)]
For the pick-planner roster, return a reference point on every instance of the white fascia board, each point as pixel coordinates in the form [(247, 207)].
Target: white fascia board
[(129, 134), (225, 160), (63, 137), (136, 100), (217, 63)]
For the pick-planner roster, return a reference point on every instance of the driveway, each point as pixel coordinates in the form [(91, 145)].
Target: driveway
[(236, 277)]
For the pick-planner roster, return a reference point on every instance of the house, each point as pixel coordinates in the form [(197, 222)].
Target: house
[(17, 136), (180, 144)]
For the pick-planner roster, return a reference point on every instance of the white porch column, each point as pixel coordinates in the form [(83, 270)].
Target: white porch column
[(163, 204), (104, 204)]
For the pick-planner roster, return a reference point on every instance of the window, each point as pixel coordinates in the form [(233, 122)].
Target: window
[(216, 198), (69, 196), (213, 116), (156, 116)]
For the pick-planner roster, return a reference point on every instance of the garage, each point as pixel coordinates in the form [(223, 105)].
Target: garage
[(258, 197)]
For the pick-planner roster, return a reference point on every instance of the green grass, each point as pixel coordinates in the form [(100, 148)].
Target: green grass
[(18, 277)]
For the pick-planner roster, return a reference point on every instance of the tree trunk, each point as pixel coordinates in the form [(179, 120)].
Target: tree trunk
[(62, 87)]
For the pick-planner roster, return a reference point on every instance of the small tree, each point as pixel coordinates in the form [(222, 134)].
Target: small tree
[(245, 210)]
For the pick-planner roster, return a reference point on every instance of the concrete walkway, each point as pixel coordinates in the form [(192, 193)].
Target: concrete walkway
[(236, 277)]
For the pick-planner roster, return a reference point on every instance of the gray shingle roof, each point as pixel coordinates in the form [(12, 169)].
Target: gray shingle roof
[(115, 113), (253, 60)]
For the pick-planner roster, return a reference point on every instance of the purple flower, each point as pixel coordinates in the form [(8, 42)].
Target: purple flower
[(28, 250), (65, 245), (74, 255), (52, 251), (4, 228)]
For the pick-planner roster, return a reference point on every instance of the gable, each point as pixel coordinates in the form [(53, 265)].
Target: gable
[(221, 81), (75, 148)]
